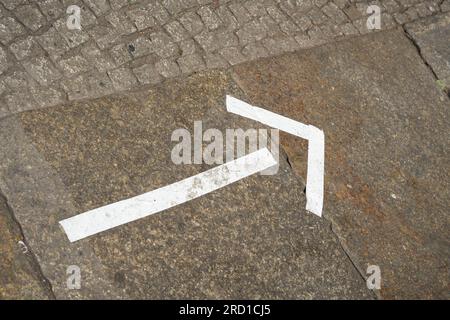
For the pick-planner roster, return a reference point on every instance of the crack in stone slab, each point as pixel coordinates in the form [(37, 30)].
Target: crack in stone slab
[(34, 263)]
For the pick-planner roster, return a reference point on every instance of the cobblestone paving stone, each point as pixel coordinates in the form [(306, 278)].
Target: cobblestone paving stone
[(130, 44)]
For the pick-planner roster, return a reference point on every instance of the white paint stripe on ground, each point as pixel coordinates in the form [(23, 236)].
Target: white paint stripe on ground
[(116, 214), (316, 146)]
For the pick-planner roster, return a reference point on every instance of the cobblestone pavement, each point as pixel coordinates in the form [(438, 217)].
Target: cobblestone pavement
[(136, 43)]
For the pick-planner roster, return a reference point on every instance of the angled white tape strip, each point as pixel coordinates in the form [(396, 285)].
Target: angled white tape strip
[(316, 146), (116, 214)]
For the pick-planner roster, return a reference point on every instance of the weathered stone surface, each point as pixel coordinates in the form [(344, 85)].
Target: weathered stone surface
[(167, 68), (217, 33), (148, 15), (210, 19), (53, 43), (251, 32), (192, 23), (147, 74), (387, 168), (215, 61), (30, 16), (88, 85), (252, 239), (74, 64), (73, 38), (122, 78), (47, 96), (191, 63), (99, 7), (162, 45), (140, 47), (11, 4), (20, 277), (17, 79), (432, 37), (100, 60), (52, 9), (232, 55), (121, 53), (176, 30), (25, 48), (3, 61), (378, 214), (141, 18), (445, 6), (104, 35), (34, 193), (18, 101), (120, 23), (42, 70), (9, 29)]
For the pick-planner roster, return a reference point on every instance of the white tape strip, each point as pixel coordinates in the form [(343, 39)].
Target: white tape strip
[(116, 214), (316, 146)]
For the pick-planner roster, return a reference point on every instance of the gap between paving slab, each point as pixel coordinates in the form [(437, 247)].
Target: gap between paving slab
[(386, 164), (21, 276), (430, 36)]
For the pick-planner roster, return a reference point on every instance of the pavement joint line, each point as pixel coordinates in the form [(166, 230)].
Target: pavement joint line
[(422, 57), (355, 265), (316, 146), (113, 215), (419, 51), (424, 60)]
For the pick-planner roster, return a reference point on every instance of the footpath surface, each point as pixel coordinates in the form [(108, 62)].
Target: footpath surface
[(380, 99)]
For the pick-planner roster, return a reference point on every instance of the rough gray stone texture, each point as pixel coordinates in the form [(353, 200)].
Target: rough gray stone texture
[(191, 63), (74, 65), (30, 16), (122, 78), (53, 43), (87, 85), (3, 61), (243, 241), (445, 6), (42, 70), (432, 37), (25, 48), (10, 28), (167, 68), (210, 33), (52, 9), (147, 74), (20, 277), (35, 193), (387, 177)]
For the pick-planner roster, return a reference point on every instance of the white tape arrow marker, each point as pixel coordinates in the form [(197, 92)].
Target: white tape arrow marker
[(316, 146), (116, 214)]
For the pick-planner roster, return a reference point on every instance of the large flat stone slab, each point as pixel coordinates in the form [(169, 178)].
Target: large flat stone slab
[(252, 239), (386, 130)]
